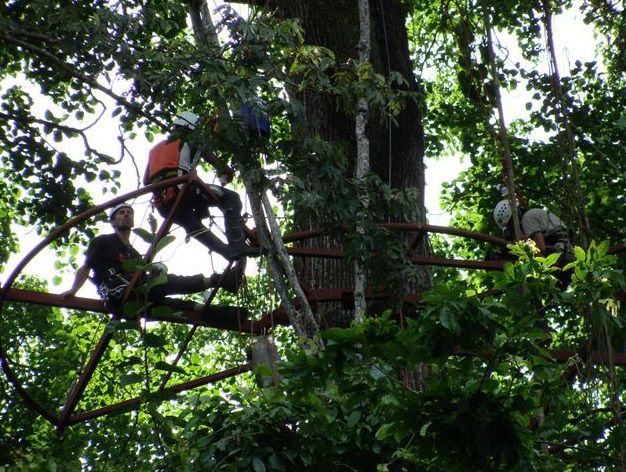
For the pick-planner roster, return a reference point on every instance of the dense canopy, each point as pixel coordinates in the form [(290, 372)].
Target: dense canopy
[(492, 370)]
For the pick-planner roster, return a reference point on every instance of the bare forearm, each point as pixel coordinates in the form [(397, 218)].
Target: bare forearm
[(82, 274)]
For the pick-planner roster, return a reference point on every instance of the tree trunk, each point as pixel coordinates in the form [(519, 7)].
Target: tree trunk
[(396, 151)]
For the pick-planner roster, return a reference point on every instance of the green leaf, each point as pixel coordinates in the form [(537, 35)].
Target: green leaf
[(129, 379), (509, 270), (551, 259), (144, 234), (132, 309), (162, 365), (159, 279), (353, 418), (133, 264), (160, 311), (448, 320), (384, 431), (276, 463), (163, 242), (257, 464), (133, 360), (154, 340), (115, 325)]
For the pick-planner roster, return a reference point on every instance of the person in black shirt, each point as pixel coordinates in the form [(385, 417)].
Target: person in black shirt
[(107, 257)]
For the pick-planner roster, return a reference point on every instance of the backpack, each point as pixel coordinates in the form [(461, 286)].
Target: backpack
[(255, 119)]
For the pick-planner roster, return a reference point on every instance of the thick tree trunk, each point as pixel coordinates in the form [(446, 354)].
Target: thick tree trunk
[(396, 151)]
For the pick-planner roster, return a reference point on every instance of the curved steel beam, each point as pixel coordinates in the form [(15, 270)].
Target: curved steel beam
[(133, 403), (58, 232)]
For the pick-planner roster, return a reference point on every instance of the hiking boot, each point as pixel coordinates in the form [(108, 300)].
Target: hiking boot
[(236, 236)]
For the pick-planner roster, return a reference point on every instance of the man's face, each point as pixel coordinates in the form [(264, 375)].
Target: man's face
[(124, 219), (178, 132)]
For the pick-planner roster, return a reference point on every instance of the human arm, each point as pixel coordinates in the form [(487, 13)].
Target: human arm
[(225, 173), (82, 274)]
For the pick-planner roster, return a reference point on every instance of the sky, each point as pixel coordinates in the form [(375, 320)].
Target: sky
[(573, 40)]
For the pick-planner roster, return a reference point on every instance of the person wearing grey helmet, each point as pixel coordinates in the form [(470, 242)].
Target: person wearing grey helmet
[(545, 228)]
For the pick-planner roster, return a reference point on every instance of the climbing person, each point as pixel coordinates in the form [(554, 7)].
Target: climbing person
[(174, 156), (106, 256), (546, 229)]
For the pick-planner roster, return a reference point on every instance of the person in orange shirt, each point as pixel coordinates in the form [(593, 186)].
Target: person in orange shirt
[(173, 157)]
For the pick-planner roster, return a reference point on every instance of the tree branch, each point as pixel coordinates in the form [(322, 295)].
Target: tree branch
[(64, 128), (72, 72)]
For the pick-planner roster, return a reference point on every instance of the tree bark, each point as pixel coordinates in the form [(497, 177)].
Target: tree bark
[(396, 150), (362, 159)]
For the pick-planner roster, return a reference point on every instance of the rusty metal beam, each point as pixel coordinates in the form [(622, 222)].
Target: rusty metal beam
[(243, 325), (464, 233), (419, 260), (51, 299), (340, 294), (409, 227), (75, 393), (459, 263), (174, 389), (595, 357)]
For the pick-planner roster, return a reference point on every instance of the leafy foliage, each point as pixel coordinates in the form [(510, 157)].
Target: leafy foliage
[(492, 397)]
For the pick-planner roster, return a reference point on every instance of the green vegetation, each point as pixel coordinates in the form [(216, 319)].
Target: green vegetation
[(463, 381)]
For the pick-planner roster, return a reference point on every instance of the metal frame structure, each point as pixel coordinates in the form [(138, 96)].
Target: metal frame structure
[(68, 416)]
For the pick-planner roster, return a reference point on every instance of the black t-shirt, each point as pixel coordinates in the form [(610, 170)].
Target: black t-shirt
[(108, 252)]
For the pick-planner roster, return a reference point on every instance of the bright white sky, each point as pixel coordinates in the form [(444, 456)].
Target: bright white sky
[(571, 36)]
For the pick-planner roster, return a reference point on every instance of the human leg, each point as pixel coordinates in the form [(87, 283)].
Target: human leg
[(230, 205), (189, 216), (187, 284)]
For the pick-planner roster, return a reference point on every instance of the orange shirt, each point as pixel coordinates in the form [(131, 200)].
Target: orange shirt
[(164, 156)]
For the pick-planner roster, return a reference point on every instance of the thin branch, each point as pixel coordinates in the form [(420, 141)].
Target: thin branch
[(505, 149), (60, 127), (51, 58), (563, 119)]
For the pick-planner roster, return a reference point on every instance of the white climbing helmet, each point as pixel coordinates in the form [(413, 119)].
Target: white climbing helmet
[(119, 206), (187, 119), (502, 213)]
